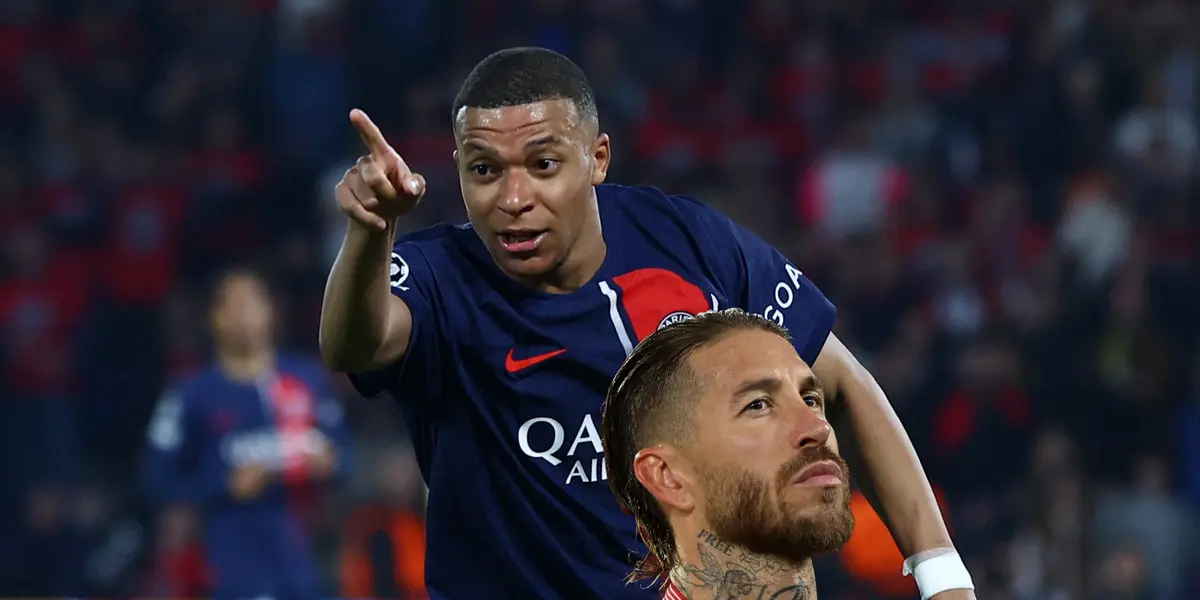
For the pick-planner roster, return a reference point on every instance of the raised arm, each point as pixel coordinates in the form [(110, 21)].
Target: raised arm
[(889, 472), (874, 442), (363, 326)]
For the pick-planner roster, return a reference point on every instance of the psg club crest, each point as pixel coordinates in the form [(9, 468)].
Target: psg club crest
[(398, 272), (674, 318)]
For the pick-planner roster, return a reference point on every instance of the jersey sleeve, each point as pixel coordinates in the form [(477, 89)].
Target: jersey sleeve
[(762, 281), (173, 469), (417, 372)]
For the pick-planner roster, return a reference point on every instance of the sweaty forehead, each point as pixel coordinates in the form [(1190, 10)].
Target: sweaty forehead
[(558, 116)]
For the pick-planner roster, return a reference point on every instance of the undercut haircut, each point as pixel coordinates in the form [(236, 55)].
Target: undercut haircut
[(651, 401), (517, 76)]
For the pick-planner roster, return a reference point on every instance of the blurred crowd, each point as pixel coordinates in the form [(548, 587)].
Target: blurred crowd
[(999, 195)]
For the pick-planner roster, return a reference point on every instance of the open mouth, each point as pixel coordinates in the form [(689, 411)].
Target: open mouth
[(521, 241)]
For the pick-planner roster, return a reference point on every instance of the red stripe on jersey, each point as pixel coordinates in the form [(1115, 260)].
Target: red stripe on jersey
[(673, 593)]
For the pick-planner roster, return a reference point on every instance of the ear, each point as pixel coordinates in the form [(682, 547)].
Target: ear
[(455, 156), (667, 476), (601, 158)]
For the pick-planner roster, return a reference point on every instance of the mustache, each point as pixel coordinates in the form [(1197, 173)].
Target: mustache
[(807, 457)]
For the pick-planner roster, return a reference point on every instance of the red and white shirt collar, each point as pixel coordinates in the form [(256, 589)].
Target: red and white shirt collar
[(673, 592)]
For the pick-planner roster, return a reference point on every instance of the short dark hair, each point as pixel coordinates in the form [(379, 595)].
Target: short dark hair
[(647, 404), (221, 280), (516, 76)]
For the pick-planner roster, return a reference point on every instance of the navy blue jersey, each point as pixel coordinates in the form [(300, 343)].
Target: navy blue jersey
[(502, 386), (208, 425)]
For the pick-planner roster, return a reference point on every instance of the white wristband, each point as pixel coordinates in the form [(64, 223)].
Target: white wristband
[(938, 574)]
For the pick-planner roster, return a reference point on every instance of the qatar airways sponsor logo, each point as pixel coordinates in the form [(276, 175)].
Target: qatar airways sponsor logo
[(785, 295), (269, 448), (580, 461)]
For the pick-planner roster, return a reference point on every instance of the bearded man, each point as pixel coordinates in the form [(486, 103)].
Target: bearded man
[(718, 445)]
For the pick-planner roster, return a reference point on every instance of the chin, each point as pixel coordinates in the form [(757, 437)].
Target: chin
[(533, 267), (527, 265), (836, 496), (817, 503), (807, 509), (818, 494)]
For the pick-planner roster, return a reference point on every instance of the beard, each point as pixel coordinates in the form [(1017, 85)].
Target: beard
[(750, 512)]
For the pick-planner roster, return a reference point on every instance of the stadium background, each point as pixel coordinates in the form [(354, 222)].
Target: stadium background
[(998, 194)]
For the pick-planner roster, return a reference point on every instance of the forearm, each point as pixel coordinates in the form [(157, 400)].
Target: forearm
[(355, 313), (883, 460), (889, 472)]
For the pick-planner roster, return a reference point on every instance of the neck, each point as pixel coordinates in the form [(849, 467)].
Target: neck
[(581, 263), (245, 365), (715, 569)]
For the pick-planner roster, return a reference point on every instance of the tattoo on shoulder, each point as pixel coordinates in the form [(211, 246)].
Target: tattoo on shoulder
[(732, 574)]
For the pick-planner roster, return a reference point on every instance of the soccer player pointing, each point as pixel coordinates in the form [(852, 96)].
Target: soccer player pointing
[(499, 338), (718, 445)]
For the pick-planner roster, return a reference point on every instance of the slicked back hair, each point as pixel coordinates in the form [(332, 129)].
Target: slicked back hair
[(651, 401), (517, 76)]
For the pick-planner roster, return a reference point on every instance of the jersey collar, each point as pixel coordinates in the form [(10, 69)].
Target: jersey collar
[(673, 592)]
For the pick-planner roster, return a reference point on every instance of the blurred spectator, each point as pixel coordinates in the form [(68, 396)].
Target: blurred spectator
[(1156, 136), (983, 428), (850, 189), (46, 556), (1158, 525), (1122, 574), (1094, 229)]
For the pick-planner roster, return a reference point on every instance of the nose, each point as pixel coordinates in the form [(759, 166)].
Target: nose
[(809, 428), (515, 196)]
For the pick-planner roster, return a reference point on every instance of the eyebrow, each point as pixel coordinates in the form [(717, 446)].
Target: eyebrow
[(546, 140), (762, 384), (810, 383), (478, 147)]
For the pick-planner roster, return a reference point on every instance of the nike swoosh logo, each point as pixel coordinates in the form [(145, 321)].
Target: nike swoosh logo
[(513, 365)]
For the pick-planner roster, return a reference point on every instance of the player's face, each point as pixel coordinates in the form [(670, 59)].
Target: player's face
[(772, 477), (242, 315), (526, 174)]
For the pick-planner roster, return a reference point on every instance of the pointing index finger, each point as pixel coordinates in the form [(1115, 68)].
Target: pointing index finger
[(370, 134)]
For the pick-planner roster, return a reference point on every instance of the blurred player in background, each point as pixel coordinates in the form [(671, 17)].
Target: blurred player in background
[(249, 441), (717, 443), (499, 338)]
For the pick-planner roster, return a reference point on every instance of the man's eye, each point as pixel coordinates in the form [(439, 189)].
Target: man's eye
[(757, 405), (812, 400), (547, 164), (482, 170)]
